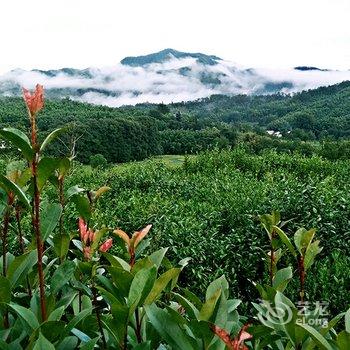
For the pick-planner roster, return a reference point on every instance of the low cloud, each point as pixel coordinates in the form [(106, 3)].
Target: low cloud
[(173, 81)]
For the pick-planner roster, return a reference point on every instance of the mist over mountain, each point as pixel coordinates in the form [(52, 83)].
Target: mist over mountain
[(166, 76)]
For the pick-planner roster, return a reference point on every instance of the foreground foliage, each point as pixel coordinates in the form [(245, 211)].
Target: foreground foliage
[(94, 287)]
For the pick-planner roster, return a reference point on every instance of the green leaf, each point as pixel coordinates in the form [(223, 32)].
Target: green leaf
[(89, 345), (311, 253), (120, 317), (158, 256), (56, 314), (20, 267), (284, 238), (19, 140), (5, 290), (62, 275), (10, 186), (282, 277), (82, 205), (219, 283), (303, 238), (191, 310), (78, 318), (347, 321), (168, 328), (68, 343), (26, 315), (43, 344), (318, 337), (73, 191), (46, 168), (140, 287), (49, 138), (160, 284), (343, 340), (61, 245), (209, 306), (50, 217)]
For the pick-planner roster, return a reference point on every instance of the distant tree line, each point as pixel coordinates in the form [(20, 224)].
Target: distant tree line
[(136, 132)]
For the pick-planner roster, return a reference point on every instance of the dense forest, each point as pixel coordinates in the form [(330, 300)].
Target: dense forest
[(137, 132)]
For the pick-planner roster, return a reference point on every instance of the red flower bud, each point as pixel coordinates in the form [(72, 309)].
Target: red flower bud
[(82, 228), (87, 252), (106, 245), (92, 235), (35, 101)]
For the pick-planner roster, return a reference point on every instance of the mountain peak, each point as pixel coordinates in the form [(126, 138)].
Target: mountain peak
[(167, 54), (308, 68)]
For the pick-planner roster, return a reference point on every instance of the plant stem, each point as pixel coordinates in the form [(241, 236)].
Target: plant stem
[(21, 241), (20, 235), (39, 243), (272, 253), (301, 269), (4, 240), (98, 317), (4, 252), (36, 216), (61, 199)]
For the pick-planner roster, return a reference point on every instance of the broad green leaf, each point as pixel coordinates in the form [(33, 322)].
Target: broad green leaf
[(191, 310), (219, 283), (143, 346), (140, 287), (303, 238), (46, 168), (318, 337), (160, 285), (68, 343), (5, 290), (50, 216), (75, 320), (82, 205), (62, 275), (73, 191), (311, 252), (168, 328), (49, 138), (347, 321), (209, 306), (43, 344), (121, 278), (282, 277), (157, 256), (284, 238), (116, 261), (26, 315), (19, 140), (343, 340), (121, 316), (10, 186), (56, 314), (61, 245), (20, 267)]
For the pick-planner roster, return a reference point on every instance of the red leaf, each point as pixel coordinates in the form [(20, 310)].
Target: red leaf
[(35, 101)]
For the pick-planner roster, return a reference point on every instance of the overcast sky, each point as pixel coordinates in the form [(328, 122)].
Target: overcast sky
[(260, 33)]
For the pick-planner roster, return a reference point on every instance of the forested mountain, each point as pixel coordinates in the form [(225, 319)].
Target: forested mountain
[(165, 77), (136, 132)]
